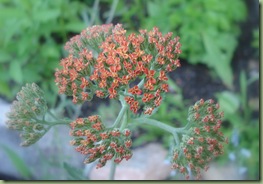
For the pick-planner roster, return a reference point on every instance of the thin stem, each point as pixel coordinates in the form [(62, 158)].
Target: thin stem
[(176, 138), (124, 121), (62, 122), (94, 12), (112, 11), (123, 115), (112, 169), (120, 115), (59, 122), (52, 115), (141, 83), (174, 131), (159, 124)]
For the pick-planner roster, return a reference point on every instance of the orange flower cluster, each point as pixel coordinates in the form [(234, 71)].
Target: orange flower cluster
[(106, 62), (94, 140), (203, 141), (30, 106)]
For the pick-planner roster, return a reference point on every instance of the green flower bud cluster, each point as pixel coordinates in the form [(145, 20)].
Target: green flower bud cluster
[(93, 139), (202, 141), (27, 112)]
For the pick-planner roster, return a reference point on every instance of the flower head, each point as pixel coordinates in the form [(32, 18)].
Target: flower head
[(94, 140), (106, 62), (202, 141), (30, 106)]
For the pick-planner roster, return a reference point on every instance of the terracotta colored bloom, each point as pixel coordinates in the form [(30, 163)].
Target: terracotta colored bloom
[(105, 61), (202, 142), (97, 142)]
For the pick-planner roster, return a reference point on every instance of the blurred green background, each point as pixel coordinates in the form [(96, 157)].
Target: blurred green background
[(220, 37)]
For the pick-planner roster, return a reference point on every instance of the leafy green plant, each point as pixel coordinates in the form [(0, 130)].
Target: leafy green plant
[(32, 34), (104, 61), (210, 28)]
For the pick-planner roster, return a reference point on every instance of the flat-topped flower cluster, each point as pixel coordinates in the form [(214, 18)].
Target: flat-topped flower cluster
[(106, 62), (202, 141), (94, 140)]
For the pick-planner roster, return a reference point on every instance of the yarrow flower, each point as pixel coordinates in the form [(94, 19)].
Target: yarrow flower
[(91, 138), (30, 107), (106, 62), (202, 141)]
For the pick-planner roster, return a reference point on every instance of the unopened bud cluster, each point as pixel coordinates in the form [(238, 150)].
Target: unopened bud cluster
[(29, 107), (106, 62), (91, 138), (202, 142)]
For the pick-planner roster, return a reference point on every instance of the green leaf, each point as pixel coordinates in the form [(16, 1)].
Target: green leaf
[(74, 173), (20, 165), (243, 88), (46, 15), (9, 13), (74, 26), (15, 72), (217, 60), (153, 8), (229, 102), (5, 89)]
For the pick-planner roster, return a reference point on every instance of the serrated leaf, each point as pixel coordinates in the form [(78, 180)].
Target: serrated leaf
[(19, 164)]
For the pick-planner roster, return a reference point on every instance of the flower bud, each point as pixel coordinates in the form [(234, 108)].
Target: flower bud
[(30, 105)]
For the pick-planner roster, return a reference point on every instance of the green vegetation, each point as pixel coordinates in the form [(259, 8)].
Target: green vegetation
[(32, 35)]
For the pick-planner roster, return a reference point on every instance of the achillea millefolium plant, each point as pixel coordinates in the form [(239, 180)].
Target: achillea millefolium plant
[(106, 62)]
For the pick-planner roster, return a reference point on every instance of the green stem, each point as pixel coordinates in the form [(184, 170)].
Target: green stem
[(112, 169), (140, 85), (53, 123), (174, 131), (95, 9), (176, 138), (52, 115), (158, 124), (62, 122), (120, 115), (124, 121), (112, 11)]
